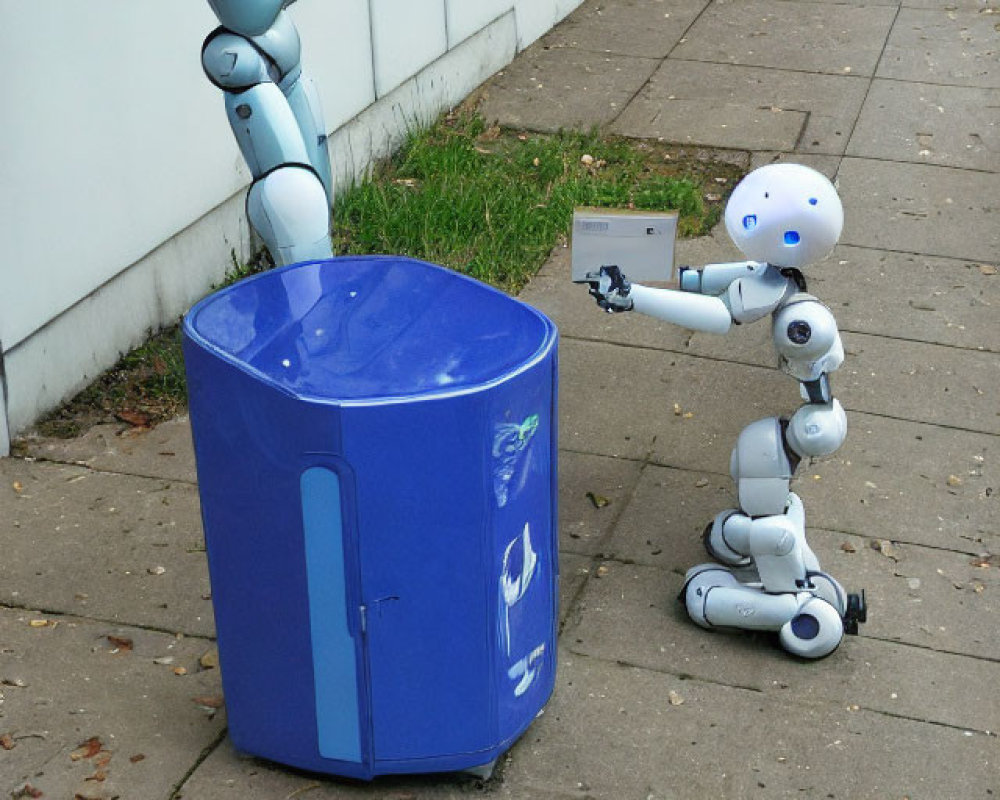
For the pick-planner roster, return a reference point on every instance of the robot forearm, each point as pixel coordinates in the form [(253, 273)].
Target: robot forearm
[(695, 312)]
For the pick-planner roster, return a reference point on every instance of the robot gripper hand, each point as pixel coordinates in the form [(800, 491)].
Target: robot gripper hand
[(611, 289)]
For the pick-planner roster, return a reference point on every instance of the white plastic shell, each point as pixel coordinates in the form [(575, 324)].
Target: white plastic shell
[(785, 214), (817, 429), (760, 468), (806, 338)]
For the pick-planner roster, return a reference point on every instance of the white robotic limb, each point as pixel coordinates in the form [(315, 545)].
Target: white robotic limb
[(275, 115), (783, 216)]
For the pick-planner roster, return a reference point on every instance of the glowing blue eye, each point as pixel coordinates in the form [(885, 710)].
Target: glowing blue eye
[(791, 237), (813, 201), (750, 221)]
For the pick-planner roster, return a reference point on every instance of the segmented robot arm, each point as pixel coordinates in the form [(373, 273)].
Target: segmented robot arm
[(275, 114)]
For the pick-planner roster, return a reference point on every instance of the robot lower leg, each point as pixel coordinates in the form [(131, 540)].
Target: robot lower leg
[(779, 586)]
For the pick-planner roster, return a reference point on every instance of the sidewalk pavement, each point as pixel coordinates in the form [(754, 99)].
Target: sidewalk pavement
[(899, 103)]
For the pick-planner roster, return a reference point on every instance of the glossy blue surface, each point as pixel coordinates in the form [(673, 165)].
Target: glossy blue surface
[(369, 329), (376, 448)]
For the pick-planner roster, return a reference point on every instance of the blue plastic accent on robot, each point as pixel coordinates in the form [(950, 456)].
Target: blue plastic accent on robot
[(792, 237), (423, 404), (750, 222), (805, 627)]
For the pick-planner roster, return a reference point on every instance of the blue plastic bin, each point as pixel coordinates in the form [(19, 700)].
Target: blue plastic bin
[(376, 451)]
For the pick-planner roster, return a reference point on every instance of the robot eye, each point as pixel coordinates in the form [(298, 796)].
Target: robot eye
[(813, 201), (792, 237), (799, 331), (750, 222)]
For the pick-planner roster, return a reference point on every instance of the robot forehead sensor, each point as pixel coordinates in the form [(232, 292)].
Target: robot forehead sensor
[(640, 243)]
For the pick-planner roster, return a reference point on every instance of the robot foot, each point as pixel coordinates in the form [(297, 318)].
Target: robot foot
[(698, 582), (716, 545), (857, 612), (814, 632)]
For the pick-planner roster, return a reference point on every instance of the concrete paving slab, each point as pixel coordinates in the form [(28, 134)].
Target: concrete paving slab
[(944, 43), (611, 731), (647, 28), (631, 614), (916, 297), (635, 396), (925, 596), (66, 684), (112, 547), (951, 126), (164, 451), (748, 108), (919, 381), (907, 482), (807, 37), (917, 208), (546, 90), (593, 491)]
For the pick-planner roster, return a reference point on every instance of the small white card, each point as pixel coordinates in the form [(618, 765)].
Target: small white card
[(639, 243)]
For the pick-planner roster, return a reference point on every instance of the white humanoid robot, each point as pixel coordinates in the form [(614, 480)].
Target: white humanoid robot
[(275, 114), (782, 216)]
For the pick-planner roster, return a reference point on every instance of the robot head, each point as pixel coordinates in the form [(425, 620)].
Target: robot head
[(785, 214)]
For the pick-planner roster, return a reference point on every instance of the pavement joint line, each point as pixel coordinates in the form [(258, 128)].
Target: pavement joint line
[(963, 348), (926, 648), (907, 163), (914, 253), (70, 617), (686, 676), (681, 676), (99, 471), (871, 82), (176, 791), (965, 729), (852, 76), (595, 559)]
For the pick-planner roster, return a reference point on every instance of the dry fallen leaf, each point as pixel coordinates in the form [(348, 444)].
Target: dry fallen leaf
[(701, 483), (209, 701), (209, 659), (26, 791), (134, 418), (87, 749), (599, 500), (179, 671), (886, 548), (39, 623), (847, 547), (18, 486), (157, 570), (7, 742), (674, 698), (122, 643), (954, 480), (987, 269), (136, 758)]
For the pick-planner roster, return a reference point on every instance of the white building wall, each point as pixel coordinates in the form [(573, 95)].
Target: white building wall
[(121, 186)]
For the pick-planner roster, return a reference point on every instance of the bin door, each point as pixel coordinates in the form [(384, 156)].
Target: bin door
[(333, 618)]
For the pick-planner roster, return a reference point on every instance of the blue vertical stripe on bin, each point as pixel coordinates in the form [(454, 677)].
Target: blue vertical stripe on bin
[(333, 651)]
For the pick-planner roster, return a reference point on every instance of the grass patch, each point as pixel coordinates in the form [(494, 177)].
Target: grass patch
[(486, 202), (492, 203)]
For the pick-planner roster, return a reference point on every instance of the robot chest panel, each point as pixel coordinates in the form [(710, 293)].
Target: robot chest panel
[(753, 297)]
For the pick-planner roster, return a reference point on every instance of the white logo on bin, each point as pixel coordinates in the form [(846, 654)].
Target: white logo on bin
[(514, 585)]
